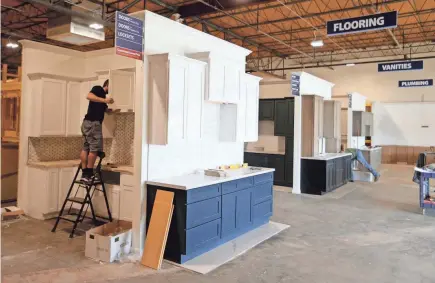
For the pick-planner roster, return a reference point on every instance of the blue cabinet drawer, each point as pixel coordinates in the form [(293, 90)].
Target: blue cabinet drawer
[(262, 192), (237, 185), (262, 211), (203, 236), (203, 211), (267, 177), (203, 193)]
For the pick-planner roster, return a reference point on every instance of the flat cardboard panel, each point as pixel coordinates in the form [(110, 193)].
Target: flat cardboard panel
[(155, 241), (402, 152)]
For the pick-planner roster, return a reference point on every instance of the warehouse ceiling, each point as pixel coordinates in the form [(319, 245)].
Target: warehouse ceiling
[(273, 30)]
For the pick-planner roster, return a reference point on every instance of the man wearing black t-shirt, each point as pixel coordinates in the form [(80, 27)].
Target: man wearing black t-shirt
[(92, 129)]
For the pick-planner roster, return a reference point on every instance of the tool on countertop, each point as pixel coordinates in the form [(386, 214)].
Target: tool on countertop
[(215, 173), (86, 201)]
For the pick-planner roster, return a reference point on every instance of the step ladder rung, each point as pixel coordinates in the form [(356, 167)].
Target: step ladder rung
[(69, 217), (78, 200), (87, 184)]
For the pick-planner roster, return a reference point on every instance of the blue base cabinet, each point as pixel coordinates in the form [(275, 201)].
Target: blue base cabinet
[(207, 217)]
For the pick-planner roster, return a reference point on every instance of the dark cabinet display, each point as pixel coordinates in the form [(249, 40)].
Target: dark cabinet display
[(321, 176), (284, 117), (209, 216), (266, 110), (276, 161)]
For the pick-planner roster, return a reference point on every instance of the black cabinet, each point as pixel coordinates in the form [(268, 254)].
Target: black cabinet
[(284, 117), (322, 176), (266, 110), (276, 161)]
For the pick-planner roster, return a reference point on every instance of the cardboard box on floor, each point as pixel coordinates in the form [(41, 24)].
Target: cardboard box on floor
[(109, 242)]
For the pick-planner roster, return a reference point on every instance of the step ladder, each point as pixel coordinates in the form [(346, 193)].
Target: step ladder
[(90, 189)]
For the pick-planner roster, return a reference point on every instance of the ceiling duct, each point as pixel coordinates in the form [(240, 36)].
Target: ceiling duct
[(76, 30)]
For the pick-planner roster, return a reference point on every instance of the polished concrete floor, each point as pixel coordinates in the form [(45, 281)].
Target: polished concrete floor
[(359, 233)]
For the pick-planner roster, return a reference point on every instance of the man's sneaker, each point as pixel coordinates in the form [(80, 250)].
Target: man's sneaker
[(377, 177), (96, 177), (85, 179)]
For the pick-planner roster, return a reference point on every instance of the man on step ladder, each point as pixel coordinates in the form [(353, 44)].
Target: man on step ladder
[(92, 129)]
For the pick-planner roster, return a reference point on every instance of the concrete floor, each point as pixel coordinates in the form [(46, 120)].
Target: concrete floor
[(359, 233)]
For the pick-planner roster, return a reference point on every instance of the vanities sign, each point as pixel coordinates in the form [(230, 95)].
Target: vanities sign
[(400, 66), (362, 24)]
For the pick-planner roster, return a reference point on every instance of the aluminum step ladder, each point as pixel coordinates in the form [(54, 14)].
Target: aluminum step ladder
[(90, 189)]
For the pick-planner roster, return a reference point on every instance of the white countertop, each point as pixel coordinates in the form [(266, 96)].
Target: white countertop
[(327, 156), (371, 149), (265, 151), (196, 180)]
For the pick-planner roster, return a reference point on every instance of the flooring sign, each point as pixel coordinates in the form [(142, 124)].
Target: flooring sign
[(416, 83), (362, 24)]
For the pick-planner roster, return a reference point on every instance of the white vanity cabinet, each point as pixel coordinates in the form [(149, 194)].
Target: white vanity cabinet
[(223, 77), (176, 86)]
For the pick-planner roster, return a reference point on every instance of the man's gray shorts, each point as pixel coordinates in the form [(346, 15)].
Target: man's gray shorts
[(93, 133)]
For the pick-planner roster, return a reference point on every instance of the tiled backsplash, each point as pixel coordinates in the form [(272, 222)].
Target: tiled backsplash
[(118, 150)]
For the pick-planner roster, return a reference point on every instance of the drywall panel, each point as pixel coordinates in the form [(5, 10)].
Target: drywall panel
[(409, 124)]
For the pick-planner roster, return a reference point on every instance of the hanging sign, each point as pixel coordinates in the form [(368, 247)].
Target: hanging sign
[(400, 66), (296, 85), (416, 83), (362, 24), (128, 36)]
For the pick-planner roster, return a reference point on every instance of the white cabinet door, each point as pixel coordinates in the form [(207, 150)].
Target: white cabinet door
[(52, 191), (252, 85), (99, 203), (121, 88), (231, 83), (66, 176), (215, 83), (73, 109), (53, 111), (195, 90), (178, 97), (126, 207)]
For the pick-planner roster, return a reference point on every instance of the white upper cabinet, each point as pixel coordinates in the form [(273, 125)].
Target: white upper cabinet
[(250, 88), (176, 91), (74, 98), (49, 107), (121, 88), (222, 78)]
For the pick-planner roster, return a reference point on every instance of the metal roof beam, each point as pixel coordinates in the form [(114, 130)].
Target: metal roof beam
[(316, 14), (199, 9), (221, 29)]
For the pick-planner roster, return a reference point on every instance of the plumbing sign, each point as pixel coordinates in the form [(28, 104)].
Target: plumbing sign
[(362, 24), (128, 36), (416, 83)]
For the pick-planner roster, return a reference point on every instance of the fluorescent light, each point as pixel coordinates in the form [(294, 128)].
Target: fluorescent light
[(96, 26), (317, 43), (350, 64), (12, 45)]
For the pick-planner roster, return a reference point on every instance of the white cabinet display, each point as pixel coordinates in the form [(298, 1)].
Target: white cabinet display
[(48, 107), (121, 88), (176, 97), (223, 78), (43, 198), (249, 119), (74, 98)]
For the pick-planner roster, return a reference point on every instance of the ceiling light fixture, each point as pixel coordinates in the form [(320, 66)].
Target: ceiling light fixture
[(96, 26), (317, 43), (12, 45), (350, 64)]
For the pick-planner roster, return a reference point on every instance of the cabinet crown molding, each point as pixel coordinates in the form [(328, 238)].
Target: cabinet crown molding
[(38, 76)]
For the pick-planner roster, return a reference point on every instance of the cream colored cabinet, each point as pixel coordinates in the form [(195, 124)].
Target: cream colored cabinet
[(332, 125), (121, 88), (312, 125), (74, 99), (223, 77), (176, 96), (48, 107), (113, 198), (44, 192), (127, 198)]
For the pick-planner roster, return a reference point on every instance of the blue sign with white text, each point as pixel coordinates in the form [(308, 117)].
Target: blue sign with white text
[(128, 36), (296, 85), (416, 83), (400, 66), (362, 24)]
